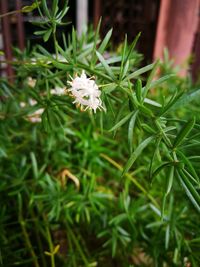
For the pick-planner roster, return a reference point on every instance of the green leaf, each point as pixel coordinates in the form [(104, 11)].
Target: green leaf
[(123, 58), (96, 36), (105, 41), (74, 44), (138, 90), (106, 66), (132, 47), (64, 10), (161, 80), (34, 164), (114, 245), (161, 167), (145, 111), (121, 122), (167, 236), (171, 103), (152, 103), (139, 72), (63, 53), (62, 66), (96, 72), (45, 8), (150, 78), (189, 189), (30, 8), (184, 133), (125, 69), (40, 32), (148, 128), (188, 98), (47, 35), (156, 151), (170, 180), (130, 130), (54, 7), (136, 154), (163, 206), (189, 165)]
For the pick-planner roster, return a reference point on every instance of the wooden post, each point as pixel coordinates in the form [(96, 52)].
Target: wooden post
[(7, 39), (177, 25), (81, 15), (97, 12), (20, 25)]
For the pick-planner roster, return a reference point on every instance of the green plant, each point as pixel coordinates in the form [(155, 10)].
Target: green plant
[(119, 187)]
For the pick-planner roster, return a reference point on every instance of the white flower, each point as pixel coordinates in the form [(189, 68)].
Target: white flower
[(86, 92), (32, 102), (58, 91), (22, 104), (31, 82), (35, 116)]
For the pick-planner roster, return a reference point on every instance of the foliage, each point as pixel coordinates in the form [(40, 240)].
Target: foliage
[(116, 188)]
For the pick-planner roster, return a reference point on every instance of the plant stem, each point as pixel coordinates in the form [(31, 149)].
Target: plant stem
[(10, 13), (70, 232), (25, 233), (35, 220), (28, 242), (129, 176), (51, 247), (55, 43), (71, 249), (165, 138)]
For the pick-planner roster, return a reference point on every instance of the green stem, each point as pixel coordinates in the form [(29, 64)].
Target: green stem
[(70, 232), (38, 238), (51, 247), (165, 138), (28, 242), (55, 43), (10, 13), (25, 233), (71, 249), (131, 178)]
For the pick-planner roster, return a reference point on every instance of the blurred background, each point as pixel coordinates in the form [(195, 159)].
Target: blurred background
[(171, 24)]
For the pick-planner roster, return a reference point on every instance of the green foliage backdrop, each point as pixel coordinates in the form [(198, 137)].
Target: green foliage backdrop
[(119, 187)]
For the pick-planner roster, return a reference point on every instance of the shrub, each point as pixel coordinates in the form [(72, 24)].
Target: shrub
[(113, 182)]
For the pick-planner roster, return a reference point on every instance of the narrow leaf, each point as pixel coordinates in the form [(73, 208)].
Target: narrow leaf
[(189, 165), (27, 9), (34, 164), (130, 130), (150, 78), (105, 41), (184, 132), (161, 80), (123, 58), (152, 103), (121, 122), (54, 7), (47, 35), (106, 66), (136, 154), (96, 36), (190, 190), (45, 8), (139, 72), (170, 180), (161, 167), (132, 47), (74, 45), (171, 102), (138, 90)]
